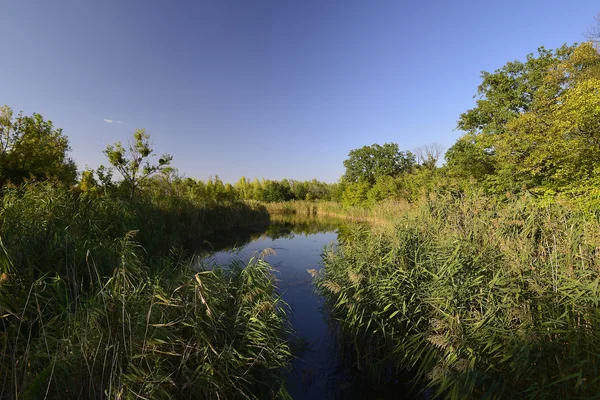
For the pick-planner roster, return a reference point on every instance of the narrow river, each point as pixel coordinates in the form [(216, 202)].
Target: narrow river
[(298, 244)]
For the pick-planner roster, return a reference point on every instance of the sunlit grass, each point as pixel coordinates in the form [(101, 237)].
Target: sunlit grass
[(381, 216), (481, 299)]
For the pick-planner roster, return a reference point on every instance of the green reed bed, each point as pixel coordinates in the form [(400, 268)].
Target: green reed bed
[(86, 311), (49, 228), (382, 213), (478, 298)]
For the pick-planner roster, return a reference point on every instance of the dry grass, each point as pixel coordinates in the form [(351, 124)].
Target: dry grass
[(382, 216)]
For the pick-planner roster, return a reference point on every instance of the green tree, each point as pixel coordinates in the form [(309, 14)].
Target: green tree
[(276, 191), (557, 143), (370, 162), (133, 163), (31, 147), (355, 194), (257, 189), (88, 183), (535, 123), (244, 188), (386, 187), (503, 96), (468, 159), (509, 91), (299, 189)]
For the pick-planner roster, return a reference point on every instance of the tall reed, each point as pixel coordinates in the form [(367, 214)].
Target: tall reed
[(86, 311), (479, 298)]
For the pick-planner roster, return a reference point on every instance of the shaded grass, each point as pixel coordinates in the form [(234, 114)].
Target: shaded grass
[(99, 299), (208, 334)]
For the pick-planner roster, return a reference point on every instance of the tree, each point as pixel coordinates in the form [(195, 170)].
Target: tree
[(549, 139), (133, 164), (510, 91), (517, 135), (88, 183), (558, 145), (276, 191), (428, 155), (244, 188), (466, 159), (370, 162), (30, 147), (355, 194), (593, 34)]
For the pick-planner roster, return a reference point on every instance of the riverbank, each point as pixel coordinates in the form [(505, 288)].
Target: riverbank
[(100, 297), (382, 216), (479, 297)]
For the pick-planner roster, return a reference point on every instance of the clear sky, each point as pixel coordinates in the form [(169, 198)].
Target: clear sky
[(268, 89)]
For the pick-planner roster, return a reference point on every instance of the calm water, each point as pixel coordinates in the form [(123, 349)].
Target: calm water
[(295, 254), (298, 245)]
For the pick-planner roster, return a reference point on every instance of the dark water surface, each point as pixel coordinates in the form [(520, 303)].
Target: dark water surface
[(317, 372)]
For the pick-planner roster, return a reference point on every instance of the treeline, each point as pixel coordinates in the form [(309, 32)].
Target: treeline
[(169, 183), (535, 129), (32, 149), (264, 190)]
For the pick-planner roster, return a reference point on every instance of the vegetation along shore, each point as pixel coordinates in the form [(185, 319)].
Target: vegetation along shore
[(475, 271)]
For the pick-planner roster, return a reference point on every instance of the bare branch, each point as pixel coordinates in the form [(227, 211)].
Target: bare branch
[(429, 154), (593, 34)]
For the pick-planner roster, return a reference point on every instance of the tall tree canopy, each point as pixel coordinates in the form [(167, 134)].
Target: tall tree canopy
[(30, 147), (371, 162), (536, 123), (510, 91)]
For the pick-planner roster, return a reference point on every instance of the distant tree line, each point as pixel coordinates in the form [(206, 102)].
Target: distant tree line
[(535, 127), (32, 149)]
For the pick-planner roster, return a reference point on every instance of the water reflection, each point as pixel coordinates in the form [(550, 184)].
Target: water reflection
[(322, 368), (298, 246)]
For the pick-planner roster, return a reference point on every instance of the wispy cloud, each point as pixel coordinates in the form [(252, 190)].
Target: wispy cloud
[(112, 121)]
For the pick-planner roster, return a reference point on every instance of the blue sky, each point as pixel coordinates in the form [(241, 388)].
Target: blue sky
[(268, 89)]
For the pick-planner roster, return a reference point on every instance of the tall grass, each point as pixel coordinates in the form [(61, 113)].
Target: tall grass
[(98, 299), (383, 214), (479, 298), (48, 228)]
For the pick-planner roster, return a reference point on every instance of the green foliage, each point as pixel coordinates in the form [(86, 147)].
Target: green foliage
[(31, 148), (88, 182), (371, 162), (87, 312), (535, 125), (511, 90), (133, 164), (266, 190), (557, 143), (480, 299), (276, 191), (355, 194), (466, 159), (385, 187)]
